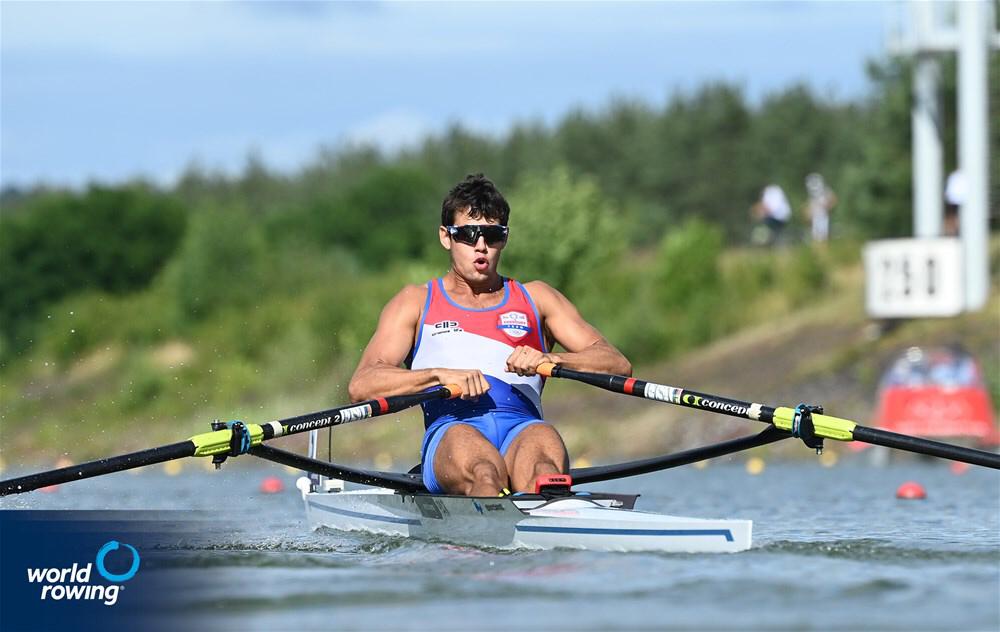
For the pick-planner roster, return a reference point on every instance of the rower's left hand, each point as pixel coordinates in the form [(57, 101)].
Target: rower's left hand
[(524, 360)]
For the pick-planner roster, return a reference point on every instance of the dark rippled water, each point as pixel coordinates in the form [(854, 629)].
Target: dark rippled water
[(833, 549)]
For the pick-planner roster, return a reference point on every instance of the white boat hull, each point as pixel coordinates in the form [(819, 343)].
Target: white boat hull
[(594, 522)]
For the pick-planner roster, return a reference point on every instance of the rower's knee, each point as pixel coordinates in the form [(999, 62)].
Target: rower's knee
[(544, 467), (486, 478)]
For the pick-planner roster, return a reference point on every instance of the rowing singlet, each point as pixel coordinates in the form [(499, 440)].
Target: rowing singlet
[(456, 337)]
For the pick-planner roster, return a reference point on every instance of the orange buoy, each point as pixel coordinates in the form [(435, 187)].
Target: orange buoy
[(958, 467), (271, 485), (49, 489), (911, 490)]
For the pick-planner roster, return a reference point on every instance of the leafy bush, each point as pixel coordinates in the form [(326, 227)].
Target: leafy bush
[(111, 239), (689, 287), (84, 321), (220, 264), (807, 276)]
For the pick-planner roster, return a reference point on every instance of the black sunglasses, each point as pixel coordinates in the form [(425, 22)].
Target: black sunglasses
[(469, 233)]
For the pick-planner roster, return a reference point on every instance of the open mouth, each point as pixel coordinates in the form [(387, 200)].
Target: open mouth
[(481, 263)]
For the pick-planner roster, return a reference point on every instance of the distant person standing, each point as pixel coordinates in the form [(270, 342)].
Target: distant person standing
[(821, 201), (773, 212), (954, 197)]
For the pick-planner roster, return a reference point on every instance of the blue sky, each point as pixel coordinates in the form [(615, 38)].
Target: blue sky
[(107, 91)]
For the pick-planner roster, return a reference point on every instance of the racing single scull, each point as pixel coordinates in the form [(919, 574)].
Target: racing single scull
[(582, 520)]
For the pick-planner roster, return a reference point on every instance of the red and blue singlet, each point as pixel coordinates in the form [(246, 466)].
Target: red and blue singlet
[(456, 337)]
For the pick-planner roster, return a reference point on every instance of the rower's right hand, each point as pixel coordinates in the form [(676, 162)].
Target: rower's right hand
[(472, 381)]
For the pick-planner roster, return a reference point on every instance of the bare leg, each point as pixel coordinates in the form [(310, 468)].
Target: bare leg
[(466, 463), (537, 450)]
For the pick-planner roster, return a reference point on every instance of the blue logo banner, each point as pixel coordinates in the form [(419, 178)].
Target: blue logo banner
[(92, 570)]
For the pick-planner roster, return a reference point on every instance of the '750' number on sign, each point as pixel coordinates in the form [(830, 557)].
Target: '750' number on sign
[(913, 278)]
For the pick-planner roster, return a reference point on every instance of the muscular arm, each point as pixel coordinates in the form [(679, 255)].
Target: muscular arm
[(586, 348), (379, 372)]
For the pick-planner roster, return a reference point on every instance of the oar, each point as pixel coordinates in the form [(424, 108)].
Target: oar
[(229, 439), (803, 422)]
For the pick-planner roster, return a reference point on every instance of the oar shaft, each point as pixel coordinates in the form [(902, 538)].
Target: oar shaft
[(219, 441), (926, 446), (825, 426), (399, 482), (663, 393), (677, 459), (355, 412), (97, 468)]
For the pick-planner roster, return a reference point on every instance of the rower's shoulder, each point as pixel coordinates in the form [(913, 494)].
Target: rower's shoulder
[(407, 302), (538, 286), (410, 295), (542, 291)]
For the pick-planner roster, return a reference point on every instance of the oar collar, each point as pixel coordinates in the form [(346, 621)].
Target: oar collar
[(240, 440), (803, 428)]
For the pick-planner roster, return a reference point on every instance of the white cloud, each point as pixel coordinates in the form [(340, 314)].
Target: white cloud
[(177, 29), (391, 130), (180, 29)]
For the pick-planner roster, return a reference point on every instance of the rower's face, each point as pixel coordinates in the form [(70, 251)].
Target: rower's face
[(474, 262)]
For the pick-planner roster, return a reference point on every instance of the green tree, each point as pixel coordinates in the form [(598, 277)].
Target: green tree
[(876, 191), (391, 214), (112, 239), (455, 154), (689, 286), (707, 166), (221, 264), (562, 230)]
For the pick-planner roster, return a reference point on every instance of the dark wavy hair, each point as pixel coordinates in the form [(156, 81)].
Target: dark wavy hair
[(480, 196)]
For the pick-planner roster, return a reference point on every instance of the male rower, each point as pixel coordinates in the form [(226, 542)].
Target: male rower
[(487, 334)]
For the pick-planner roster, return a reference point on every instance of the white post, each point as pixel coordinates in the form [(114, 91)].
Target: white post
[(928, 171), (973, 151)]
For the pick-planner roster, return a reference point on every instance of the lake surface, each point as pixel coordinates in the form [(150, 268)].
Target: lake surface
[(833, 549)]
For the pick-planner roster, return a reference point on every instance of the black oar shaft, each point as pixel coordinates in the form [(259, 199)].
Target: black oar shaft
[(926, 446), (656, 464), (97, 468), (668, 394), (388, 480), (218, 442), (781, 417), (355, 412)]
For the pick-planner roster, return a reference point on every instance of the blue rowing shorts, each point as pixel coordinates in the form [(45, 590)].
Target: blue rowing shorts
[(499, 428)]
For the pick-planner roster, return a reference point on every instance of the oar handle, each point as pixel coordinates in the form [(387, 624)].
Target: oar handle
[(546, 369)]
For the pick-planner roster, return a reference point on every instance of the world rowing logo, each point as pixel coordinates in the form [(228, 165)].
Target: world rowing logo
[(111, 577), (514, 324), (73, 583)]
